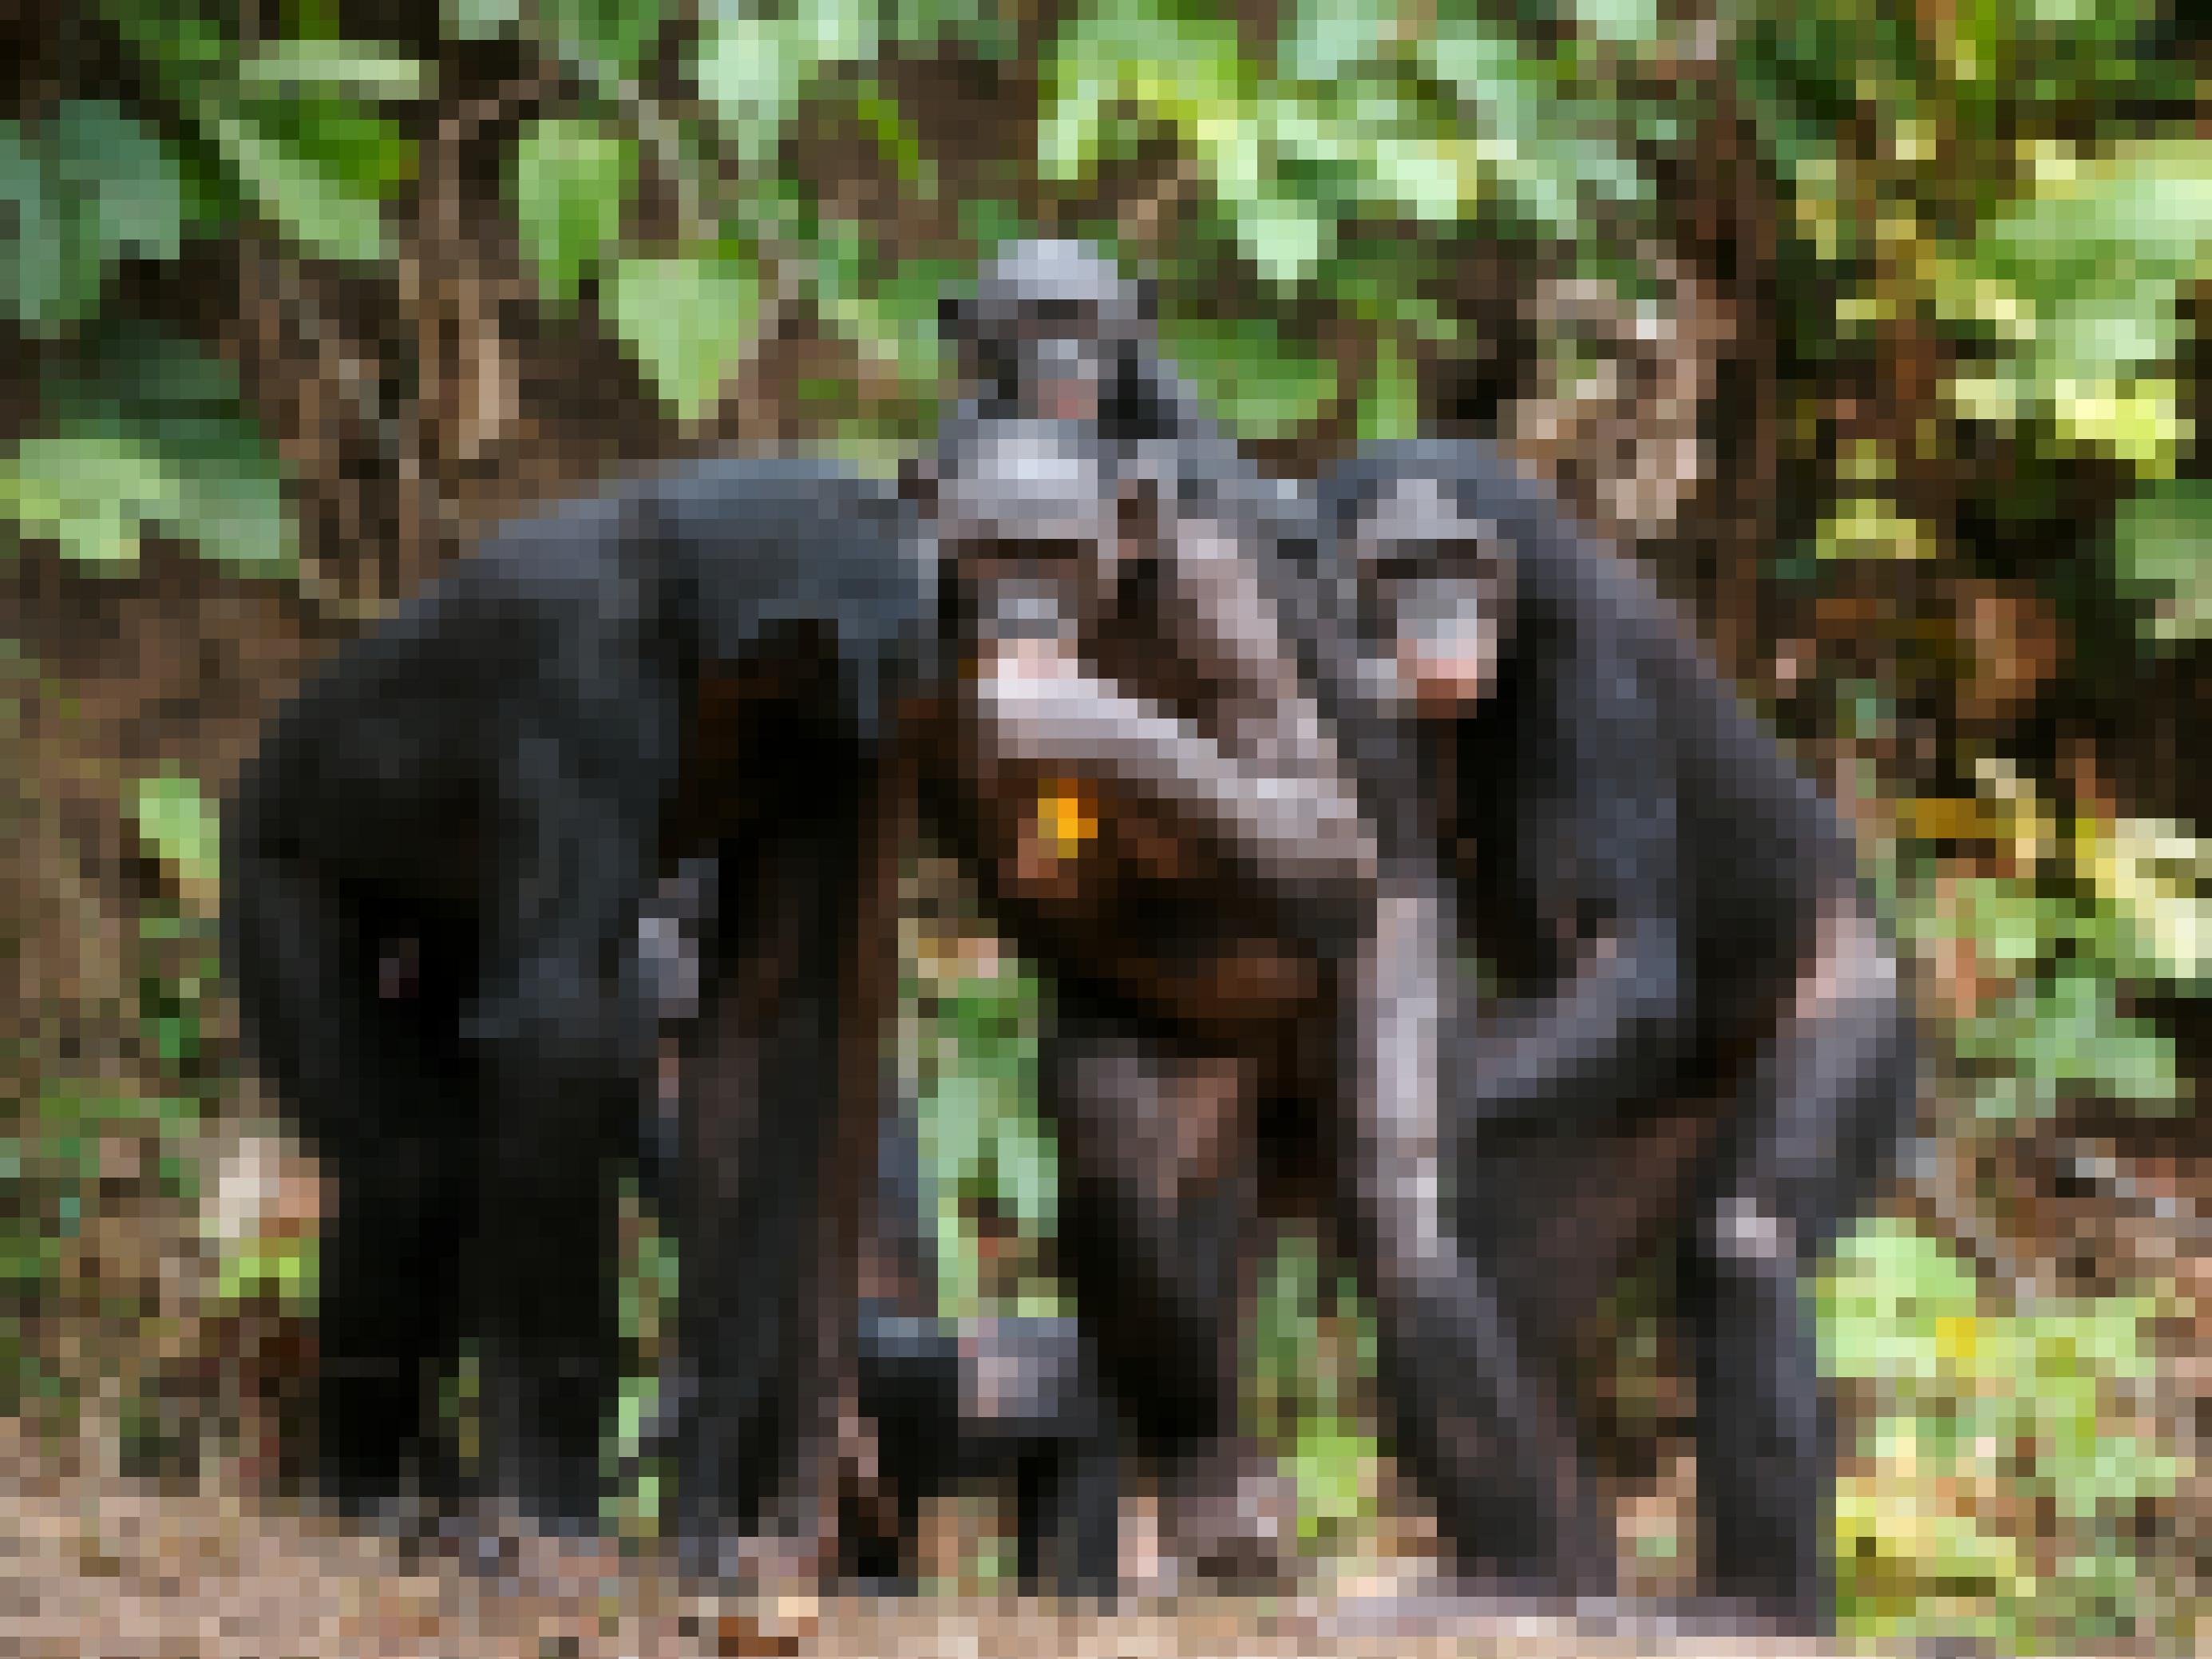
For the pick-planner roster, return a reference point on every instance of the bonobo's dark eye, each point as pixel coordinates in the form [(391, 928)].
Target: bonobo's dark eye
[(1026, 550), (1401, 560)]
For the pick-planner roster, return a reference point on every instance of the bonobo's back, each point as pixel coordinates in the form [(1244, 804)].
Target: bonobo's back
[(759, 547)]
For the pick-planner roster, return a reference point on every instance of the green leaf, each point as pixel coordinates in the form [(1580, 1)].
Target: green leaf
[(91, 491), (2153, 883), (1390, 408), (893, 316), (986, 28), (753, 69), (363, 69), (1624, 22), (47, 278), (1284, 237), (1165, 64), (879, 116), (1545, 147), (482, 20), (687, 319), (1326, 39), (148, 430), (97, 485), (2081, 281), (1869, 526), (2162, 554), (319, 167), (125, 179), (613, 33), (573, 178), (175, 36), (179, 822), (2066, 1030), (1263, 384), (89, 186)]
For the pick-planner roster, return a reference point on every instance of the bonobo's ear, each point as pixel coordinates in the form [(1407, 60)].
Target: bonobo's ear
[(917, 482), (1148, 299), (956, 319)]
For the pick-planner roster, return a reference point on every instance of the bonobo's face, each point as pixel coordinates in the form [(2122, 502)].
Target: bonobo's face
[(1046, 332), (1433, 585), (1029, 531)]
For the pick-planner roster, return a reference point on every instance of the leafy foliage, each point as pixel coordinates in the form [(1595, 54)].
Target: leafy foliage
[(571, 181), (148, 430), (688, 318), (1987, 1416), (89, 186)]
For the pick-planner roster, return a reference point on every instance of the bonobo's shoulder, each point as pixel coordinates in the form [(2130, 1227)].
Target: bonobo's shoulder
[(772, 506), (755, 543), (1206, 473), (731, 547), (551, 561)]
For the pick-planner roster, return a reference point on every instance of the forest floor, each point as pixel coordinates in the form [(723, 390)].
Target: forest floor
[(95, 1567)]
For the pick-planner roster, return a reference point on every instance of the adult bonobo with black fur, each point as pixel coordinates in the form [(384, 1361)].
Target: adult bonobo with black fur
[(1700, 1043), (434, 872)]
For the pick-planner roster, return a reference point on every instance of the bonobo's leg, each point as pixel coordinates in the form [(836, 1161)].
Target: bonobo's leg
[(908, 1363), (1032, 1390), (1486, 1431), (990, 1398), (1824, 1107), (365, 1048), (1159, 1189), (565, 1051), (547, 1273), (748, 1195)]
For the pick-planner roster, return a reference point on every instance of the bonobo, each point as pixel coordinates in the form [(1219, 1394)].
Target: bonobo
[(1159, 815), (1054, 332), (1700, 1042), (1009, 1399), (434, 872), (943, 1403), (1154, 812)]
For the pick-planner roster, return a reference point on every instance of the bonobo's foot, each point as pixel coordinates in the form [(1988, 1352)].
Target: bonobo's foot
[(541, 1450), (488, 1539), (399, 1496), (774, 1564), (1708, 1614), (397, 1507), (367, 1457), (1229, 1518)]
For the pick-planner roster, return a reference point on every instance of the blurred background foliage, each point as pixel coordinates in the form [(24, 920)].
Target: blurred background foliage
[(1876, 331)]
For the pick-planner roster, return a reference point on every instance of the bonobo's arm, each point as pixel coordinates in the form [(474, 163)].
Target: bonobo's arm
[(583, 752), (1299, 829), (1587, 1052), (1595, 828)]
